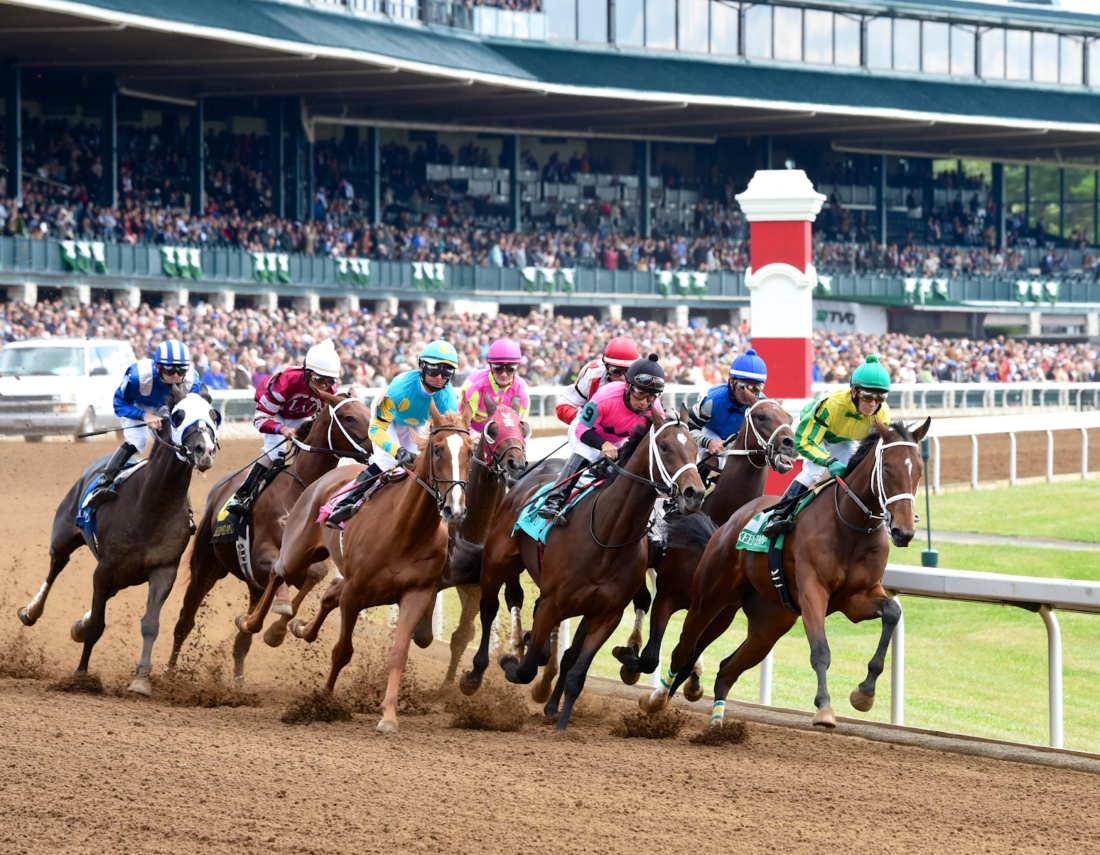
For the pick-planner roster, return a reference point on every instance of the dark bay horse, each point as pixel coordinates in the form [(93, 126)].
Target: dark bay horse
[(142, 534), (339, 430), (765, 442), (833, 560), (592, 568), (392, 550)]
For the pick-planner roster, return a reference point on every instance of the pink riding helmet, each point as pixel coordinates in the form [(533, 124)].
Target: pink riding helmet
[(504, 351)]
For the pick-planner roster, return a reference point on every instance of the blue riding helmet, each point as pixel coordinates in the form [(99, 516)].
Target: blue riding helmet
[(748, 366), (172, 352), (440, 351)]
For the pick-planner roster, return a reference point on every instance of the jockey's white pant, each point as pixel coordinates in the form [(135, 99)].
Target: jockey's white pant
[(586, 451), (399, 435), (812, 473), (276, 445), (136, 433)]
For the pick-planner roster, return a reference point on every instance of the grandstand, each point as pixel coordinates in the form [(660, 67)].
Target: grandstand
[(580, 156)]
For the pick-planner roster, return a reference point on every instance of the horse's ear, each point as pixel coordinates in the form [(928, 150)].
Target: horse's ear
[(526, 428), (433, 411), (882, 429), (921, 432), (683, 413), (492, 430), (204, 393), (215, 417), (490, 406), (656, 417)]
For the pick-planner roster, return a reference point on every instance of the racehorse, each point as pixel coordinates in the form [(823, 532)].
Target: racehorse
[(142, 534), (392, 550), (833, 560), (592, 570), (339, 430), (765, 441)]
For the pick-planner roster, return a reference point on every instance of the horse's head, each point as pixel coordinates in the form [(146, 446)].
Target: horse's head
[(896, 475), (767, 429), (504, 442), (193, 426), (672, 460), (342, 424), (448, 451)]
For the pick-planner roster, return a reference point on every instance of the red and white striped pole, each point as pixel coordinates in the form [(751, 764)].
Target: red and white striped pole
[(780, 205)]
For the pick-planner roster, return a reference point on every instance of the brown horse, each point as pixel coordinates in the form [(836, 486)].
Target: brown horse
[(339, 430), (765, 441), (392, 551), (832, 561), (592, 568)]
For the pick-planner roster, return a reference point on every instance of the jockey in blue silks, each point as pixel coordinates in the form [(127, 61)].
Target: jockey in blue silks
[(144, 390), (719, 414)]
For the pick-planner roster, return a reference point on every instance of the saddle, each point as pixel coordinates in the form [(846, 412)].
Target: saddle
[(86, 516), (230, 527), (368, 490), (529, 521)]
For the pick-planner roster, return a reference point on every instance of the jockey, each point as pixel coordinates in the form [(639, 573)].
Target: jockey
[(618, 356), (497, 383), (830, 432), (144, 390), (606, 423), (284, 403), (719, 414), (399, 412)]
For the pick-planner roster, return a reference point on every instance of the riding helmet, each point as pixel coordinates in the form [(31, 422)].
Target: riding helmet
[(620, 352), (871, 375), (748, 366), (504, 351), (323, 360), (646, 374), (172, 352), (439, 351)]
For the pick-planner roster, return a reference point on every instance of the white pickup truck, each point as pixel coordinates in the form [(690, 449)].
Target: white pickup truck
[(51, 386)]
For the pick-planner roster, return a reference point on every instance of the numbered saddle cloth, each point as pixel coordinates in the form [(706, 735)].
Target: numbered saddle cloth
[(529, 521), (230, 527), (86, 516), (396, 474)]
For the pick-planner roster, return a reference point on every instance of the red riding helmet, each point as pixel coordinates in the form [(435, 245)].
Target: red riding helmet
[(620, 352)]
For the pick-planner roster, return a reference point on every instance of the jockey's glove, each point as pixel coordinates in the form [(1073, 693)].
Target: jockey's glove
[(837, 467), (404, 457)]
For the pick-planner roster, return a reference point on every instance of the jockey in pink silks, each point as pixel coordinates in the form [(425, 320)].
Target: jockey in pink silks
[(605, 423), (498, 383)]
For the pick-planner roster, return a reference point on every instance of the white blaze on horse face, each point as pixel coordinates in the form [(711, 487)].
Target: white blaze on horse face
[(454, 444), (909, 466), (683, 438)]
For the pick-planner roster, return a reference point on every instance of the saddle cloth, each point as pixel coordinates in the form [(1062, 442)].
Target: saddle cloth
[(86, 517), (388, 477), (529, 521), (230, 527)]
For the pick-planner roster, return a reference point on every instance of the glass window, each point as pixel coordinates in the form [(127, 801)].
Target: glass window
[(1018, 55), (1044, 51), (660, 24), (592, 21), (630, 23), (906, 44), (879, 43), (42, 361), (962, 51), (1094, 63), (562, 15), (993, 54), (758, 32), (846, 38), (693, 25), (723, 29), (788, 33), (818, 29), (1071, 60), (935, 47)]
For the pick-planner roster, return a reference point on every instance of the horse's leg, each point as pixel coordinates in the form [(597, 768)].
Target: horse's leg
[(308, 631), (342, 650), (423, 635), (90, 627), (414, 604), (61, 548), (513, 598), (200, 585), (546, 621), (861, 607), (541, 690), (276, 633), (629, 654), (253, 621), (161, 581), (243, 642), (768, 622), (567, 662), (814, 601), (464, 632), (599, 631), (489, 606)]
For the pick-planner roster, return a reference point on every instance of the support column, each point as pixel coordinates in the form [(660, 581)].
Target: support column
[(277, 132), (224, 300), (1034, 324), (1027, 198), (515, 197), (267, 301), (678, 316), (74, 296), (546, 309), (25, 293), (999, 201), (198, 158), (647, 170), (374, 153), (389, 305), (882, 200), (311, 188), (297, 170), (13, 129), (108, 150), (768, 151), (175, 299), (1062, 202), (488, 308), (424, 306), (130, 297), (612, 312), (309, 303), (1092, 325), (349, 304), (1096, 207)]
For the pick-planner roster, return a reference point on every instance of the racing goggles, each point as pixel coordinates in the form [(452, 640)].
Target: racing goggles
[(172, 370), (504, 367), (867, 395), (754, 389), (437, 369), (648, 385), (615, 371)]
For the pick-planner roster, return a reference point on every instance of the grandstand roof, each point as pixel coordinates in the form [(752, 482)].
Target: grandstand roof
[(362, 70)]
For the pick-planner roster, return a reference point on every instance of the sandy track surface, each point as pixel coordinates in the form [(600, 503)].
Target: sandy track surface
[(83, 773)]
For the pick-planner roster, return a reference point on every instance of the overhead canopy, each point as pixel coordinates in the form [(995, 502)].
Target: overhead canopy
[(353, 69)]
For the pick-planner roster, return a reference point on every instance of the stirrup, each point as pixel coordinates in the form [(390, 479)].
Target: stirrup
[(102, 494), (238, 506), (777, 526), (345, 510), (550, 511)]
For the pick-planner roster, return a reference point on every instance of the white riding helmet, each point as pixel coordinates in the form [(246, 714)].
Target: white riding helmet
[(323, 360)]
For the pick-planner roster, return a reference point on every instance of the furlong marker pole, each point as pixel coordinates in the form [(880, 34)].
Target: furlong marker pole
[(1054, 666), (897, 671), (766, 679)]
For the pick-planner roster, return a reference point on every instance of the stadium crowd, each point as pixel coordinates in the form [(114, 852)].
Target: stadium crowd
[(239, 349)]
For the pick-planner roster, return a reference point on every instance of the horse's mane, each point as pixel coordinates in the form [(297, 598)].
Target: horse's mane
[(867, 444), (629, 447)]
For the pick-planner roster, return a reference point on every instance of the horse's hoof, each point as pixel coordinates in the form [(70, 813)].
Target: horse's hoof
[(76, 632), (508, 659), (651, 704), (469, 683), (861, 702), (141, 686), (387, 726), (540, 692), (282, 604), (825, 718), (272, 638), (25, 617), (241, 622), (693, 689), (629, 677), (295, 627), (622, 653), (238, 684)]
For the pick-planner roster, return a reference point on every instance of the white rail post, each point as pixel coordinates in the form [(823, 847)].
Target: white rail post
[(1084, 452), (1054, 665), (766, 679), (936, 466), (1050, 456), (1012, 459), (897, 671), (974, 461), (437, 617), (564, 637)]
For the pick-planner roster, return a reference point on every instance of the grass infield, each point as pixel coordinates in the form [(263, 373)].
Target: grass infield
[(1064, 510)]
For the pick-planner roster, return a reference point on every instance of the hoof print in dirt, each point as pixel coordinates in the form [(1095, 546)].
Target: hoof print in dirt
[(732, 732), (641, 725), (496, 710), (320, 706), (88, 684)]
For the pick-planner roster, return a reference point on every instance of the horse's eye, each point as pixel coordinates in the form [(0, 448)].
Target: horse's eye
[(665, 447), (438, 452)]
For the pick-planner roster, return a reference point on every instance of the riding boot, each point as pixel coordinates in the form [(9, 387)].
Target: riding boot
[(556, 499), (241, 503), (782, 521), (346, 506), (103, 492)]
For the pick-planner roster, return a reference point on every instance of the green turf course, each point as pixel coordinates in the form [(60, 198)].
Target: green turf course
[(1064, 510), (973, 669)]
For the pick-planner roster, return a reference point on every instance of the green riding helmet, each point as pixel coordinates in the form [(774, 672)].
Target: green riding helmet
[(871, 375)]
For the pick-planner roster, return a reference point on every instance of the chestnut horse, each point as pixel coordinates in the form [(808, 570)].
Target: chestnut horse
[(592, 568), (765, 441), (832, 561), (393, 550), (339, 430)]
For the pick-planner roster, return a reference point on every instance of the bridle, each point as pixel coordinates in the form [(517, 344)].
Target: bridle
[(767, 447), (182, 451), (495, 464), (432, 489), (360, 453), (878, 490)]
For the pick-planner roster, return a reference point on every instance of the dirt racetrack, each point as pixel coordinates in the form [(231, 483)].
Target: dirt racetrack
[(92, 773)]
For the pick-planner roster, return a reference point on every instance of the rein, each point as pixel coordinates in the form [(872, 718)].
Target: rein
[(360, 453), (182, 451), (878, 490), (766, 447), (433, 489), (495, 465)]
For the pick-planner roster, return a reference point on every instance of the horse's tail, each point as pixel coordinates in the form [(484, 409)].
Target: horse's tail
[(464, 564), (691, 532)]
